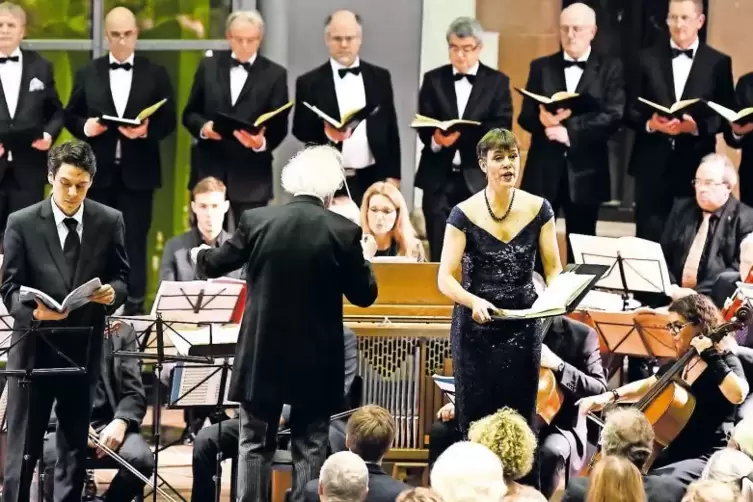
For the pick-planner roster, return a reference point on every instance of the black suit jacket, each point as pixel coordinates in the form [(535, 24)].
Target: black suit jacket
[(35, 109), (317, 88), (655, 153), (490, 103), (247, 174), (744, 99), (34, 257), (657, 488), (722, 253), (300, 258), (176, 264), (382, 486), (586, 161), (92, 97)]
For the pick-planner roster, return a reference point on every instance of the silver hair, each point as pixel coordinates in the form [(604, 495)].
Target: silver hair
[(464, 27), (344, 478), (468, 472), (315, 170), (728, 466), (252, 16), (730, 173), (14, 10)]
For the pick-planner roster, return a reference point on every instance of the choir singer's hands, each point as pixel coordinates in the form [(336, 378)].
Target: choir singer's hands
[(688, 125), (335, 135), (446, 412), (93, 127), (44, 313), (253, 141), (548, 119), (104, 295), (42, 144), (482, 310), (112, 436), (445, 140), (664, 125), (135, 132), (558, 134), (742, 130), (208, 131)]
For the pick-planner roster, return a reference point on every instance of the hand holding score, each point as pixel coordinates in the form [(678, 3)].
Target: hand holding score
[(208, 132), (44, 313), (548, 119), (742, 130), (664, 125), (93, 127), (445, 140), (482, 310), (104, 295), (135, 132), (688, 125), (253, 141), (335, 135)]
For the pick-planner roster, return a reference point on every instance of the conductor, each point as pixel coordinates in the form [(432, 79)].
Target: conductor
[(301, 259)]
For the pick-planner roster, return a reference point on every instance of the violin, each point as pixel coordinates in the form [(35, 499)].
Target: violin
[(736, 300)]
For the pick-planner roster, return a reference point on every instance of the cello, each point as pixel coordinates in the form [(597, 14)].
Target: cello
[(549, 396)]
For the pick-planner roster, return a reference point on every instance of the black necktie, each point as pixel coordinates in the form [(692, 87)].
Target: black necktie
[(679, 52), (121, 66), (579, 64), (246, 66), (72, 246), (470, 78), (15, 59), (356, 70)]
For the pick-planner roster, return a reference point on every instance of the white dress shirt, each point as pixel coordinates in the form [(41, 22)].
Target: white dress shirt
[(238, 77), (62, 229), (10, 76), (120, 88), (574, 73), (351, 95), (463, 90), (681, 68)]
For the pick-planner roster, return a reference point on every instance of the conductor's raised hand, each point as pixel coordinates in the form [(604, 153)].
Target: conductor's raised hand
[(194, 253), (335, 135), (104, 294), (445, 140), (135, 132), (369, 246), (44, 313), (482, 310), (254, 141)]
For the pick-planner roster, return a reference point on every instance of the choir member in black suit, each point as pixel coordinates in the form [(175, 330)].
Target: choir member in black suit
[(30, 107), (244, 84), (739, 136), (448, 172), (568, 162), (371, 152), (667, 152), (122, 84)]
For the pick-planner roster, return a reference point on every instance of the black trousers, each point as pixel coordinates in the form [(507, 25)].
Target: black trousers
[(554, 457), (579, 218), (654, 196), (136, 206), (442, 436), (358, 182), (437, 205), (13, 197)]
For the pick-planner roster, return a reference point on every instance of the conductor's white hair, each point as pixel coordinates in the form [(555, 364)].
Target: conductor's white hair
[(468, 472), (729, 175), (344, 478), (251, 16), (315, 170)]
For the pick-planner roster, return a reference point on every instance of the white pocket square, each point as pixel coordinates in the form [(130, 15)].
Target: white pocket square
[(36, 85)]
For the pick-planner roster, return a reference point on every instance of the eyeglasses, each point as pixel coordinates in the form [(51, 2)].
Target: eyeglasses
[(466, 49), (577, 30), (685, 19), (676, 327), (707, 183), (386, 211)]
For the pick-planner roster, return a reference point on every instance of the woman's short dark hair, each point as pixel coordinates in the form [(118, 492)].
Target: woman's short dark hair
[(497, 140), (75, 153), (698, 310)]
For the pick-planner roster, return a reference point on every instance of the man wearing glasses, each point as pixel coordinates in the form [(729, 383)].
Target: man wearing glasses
[(448, 172), (667, 152)]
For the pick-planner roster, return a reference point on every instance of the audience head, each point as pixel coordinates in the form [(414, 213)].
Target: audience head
[(690, 316), (628, 433), (342, 34), (498, 155), (315, 170), (12, 27), (711, 491), (122, 32), (742, 436), (344, 478), (730, 466), (468, 472), (714, 180), (71, 167), (615, 479), (507, 434), (419, 495), (344, 206), (209, 206), (244, 31), (384, 214), (464, 39), (577, 29), (746, 256), (685, 19), (370, 432)]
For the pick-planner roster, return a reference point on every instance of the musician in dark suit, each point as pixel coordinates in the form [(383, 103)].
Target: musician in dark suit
[(122, 84), (371, 152), (702, 236), (244, 84), (448, 172), (568, 161), (29, 103), (726, 284), (119, 408), (667, 152), (739, 136), (55, 246), (318, 256)]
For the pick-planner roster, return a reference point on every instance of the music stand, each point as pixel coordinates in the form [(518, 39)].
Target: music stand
[(446, 384)]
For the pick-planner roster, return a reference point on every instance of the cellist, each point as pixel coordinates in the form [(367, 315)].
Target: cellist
[(715, 379)]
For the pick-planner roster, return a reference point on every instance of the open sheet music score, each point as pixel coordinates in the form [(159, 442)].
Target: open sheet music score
[(75, 299), (197, 384), (446, 384), (183, 337), (554, 300), (197, 301)]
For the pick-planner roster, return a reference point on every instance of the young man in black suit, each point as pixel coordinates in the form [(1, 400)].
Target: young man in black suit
[(448, 172), (31, 108), (568, 162), (739, 136), (55, 246), (371, 152), (242, 83), (666, 152), (301, 258), (122, 84)]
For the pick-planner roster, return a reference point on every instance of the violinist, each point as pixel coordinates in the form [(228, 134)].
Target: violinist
[(726, 284), (715, 379)]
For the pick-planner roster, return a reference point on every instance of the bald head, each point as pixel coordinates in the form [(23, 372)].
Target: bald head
[(578, 13), (120, 16), (343, 36), (577, 29), (121, 32)]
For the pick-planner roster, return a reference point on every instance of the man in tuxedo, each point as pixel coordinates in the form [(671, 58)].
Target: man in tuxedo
[(122, 84), (301, 259), (739, 136), (448, 172), (568, 162), (703, 234), (56, 246), (244, 84), (667, 152), (371, 152), (31, 116)]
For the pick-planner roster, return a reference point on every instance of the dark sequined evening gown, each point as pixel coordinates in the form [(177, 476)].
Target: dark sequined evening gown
[(497, 364)]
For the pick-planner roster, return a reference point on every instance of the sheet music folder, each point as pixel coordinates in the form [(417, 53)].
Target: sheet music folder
[(195, 384), (447, 385)]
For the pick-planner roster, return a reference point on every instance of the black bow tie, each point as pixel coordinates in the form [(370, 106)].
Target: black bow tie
[(470, 78), (121, 66), (15, 59), (355, 70), (579, 64), (246, 66), (679, 52)]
